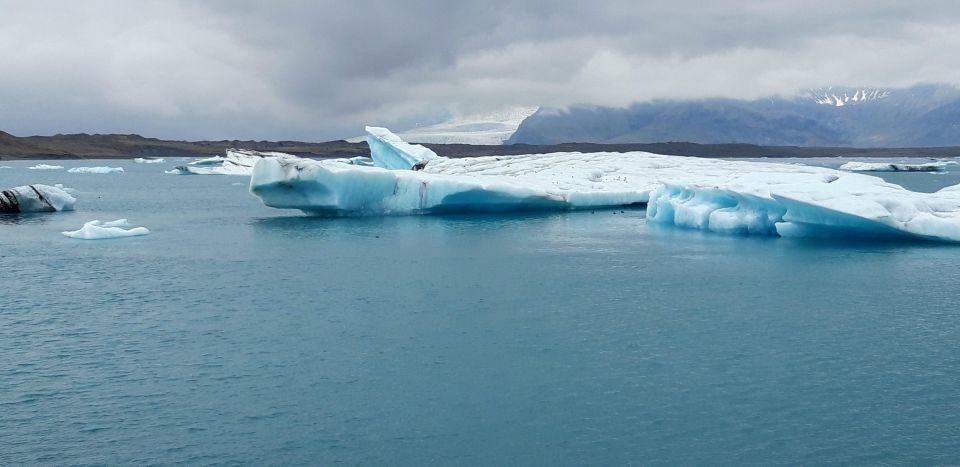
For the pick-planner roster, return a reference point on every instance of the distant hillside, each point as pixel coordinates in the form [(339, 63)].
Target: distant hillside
[(84, 146), (129, 146), (920, 116)]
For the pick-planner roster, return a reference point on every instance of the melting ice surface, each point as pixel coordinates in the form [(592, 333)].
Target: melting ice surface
[(97, 230), (709, 194)]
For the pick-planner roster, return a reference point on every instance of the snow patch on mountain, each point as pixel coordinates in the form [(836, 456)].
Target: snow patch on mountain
[(839, 97)]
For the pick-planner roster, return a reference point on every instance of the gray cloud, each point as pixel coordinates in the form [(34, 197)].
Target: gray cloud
[(317, 70)]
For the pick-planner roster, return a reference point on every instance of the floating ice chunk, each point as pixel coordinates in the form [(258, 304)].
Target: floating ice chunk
[(46, 167), (97, 230), (894, 167), (738, 197), (845, 206), (237, 162), (5, 167), (95, 170), (390, 152), (141, 160), (36, 198)]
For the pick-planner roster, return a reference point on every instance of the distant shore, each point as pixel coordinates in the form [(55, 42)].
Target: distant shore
[(85, 146)]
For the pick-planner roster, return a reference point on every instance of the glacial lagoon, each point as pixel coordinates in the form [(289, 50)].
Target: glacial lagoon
[(240, 333)]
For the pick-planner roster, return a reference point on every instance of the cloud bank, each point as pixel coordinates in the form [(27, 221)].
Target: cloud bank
[(320, 70)]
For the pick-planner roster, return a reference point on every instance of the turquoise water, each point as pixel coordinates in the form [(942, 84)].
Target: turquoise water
[(235, 333)]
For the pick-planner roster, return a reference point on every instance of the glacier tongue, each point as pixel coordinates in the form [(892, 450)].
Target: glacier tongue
[(733, 197)]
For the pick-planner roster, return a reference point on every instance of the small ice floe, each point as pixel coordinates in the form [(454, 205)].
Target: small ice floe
[(95, 170), (46, 167), (5, 167), (894, 167), (141, 160), (36, 198), (97, 230)]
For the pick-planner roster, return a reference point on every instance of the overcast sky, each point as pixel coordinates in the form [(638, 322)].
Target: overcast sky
[(320, 70)]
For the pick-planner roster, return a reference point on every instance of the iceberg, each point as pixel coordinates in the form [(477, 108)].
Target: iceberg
[(95, 170), (141, 160), (36, 198), (97, 230), (732, 197), (46, 167), (895, 167), (237, 162)]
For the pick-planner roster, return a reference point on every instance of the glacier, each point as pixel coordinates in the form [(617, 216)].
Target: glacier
[(36, 198), (732, 197), (936, 166), (238, 162), (489, 128), (97, 230)]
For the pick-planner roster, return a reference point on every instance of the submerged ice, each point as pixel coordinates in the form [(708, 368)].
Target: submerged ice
[(738, 197)]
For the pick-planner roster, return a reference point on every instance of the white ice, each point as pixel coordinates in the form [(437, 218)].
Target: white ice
[(723, 196), (46, 167), (141, 160), (856, 166), (36, 198), (97, 230), (237, 162), (95, 170)]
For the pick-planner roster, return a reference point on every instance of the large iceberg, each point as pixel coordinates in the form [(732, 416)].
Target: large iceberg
[(237, 162), (36, 198), (98, 230), (739, 197)]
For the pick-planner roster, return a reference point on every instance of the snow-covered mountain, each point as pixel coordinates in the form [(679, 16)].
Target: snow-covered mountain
[(839, 97), (491, 128)]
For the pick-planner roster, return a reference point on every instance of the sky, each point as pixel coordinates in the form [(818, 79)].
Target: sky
[(321, 70)]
